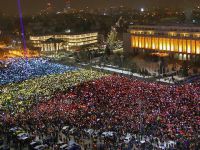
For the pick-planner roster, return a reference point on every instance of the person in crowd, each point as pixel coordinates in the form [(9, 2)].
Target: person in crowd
[(122, 105)]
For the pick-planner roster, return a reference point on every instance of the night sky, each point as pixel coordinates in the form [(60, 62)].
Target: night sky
[(34, 6)]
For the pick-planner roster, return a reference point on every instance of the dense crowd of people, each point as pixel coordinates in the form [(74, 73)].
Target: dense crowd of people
[(20, 69), (120, 104), (42, 97), (19, 96)]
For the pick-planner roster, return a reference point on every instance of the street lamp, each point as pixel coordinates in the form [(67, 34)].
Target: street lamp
[(142, 9)]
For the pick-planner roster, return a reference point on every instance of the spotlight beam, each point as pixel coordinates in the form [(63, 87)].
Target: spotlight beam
[(22, 28)]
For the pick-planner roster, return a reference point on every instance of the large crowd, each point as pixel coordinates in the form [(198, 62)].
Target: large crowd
[(20, 69), (120, 104), (19, 96), (42, 97)]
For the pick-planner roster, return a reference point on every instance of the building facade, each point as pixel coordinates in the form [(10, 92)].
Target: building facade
[(182, 40), (65, 41)]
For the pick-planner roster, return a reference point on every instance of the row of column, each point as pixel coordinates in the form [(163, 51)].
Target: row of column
[(50, 47), (166, 44)]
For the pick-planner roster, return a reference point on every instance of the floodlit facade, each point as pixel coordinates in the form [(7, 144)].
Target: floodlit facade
[(183, 40), (68, 42)]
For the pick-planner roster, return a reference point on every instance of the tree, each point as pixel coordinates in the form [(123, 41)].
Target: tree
[(185, 69), (108, 50), (195, 70), (112, 38), (134, 68)]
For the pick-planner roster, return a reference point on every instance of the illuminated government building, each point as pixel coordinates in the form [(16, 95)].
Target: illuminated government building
[(181, 40), (64, 41)]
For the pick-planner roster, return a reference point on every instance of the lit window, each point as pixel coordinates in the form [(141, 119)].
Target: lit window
[(185, 34), (197, 35), (150, 32), (172, 34)]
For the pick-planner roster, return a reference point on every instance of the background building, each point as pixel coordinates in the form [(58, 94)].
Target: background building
[(182, 40), (64, 41)]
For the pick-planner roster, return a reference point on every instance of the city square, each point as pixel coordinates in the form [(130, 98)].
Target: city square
[(103, 75)]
